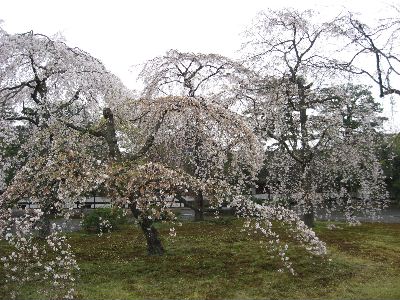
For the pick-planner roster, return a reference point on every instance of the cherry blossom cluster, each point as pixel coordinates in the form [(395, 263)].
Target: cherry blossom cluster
[(50, 262)]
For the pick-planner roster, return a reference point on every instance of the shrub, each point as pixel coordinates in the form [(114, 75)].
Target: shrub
[(102, 220)]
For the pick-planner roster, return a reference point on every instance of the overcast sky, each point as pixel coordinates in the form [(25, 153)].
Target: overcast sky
[(123, 34)]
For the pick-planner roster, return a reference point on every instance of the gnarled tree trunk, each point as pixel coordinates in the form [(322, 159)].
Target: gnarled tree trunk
[(154, 245)]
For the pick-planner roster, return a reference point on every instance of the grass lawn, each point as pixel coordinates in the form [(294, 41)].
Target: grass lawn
[(214, 260)]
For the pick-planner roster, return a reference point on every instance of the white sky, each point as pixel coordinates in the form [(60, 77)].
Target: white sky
[(126, 33)]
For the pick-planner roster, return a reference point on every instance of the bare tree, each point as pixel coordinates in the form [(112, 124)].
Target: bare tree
[(370, 50)]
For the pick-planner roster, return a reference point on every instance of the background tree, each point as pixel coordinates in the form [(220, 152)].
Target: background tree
[(390, 159), (204, 129), (303, 122), (284, 46)]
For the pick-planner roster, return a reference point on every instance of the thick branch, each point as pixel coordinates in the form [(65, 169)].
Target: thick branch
[(82, 129), (150, 140)]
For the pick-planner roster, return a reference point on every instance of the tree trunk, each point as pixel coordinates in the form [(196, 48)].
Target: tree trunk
[(44, 226), (154, 245), (308, 218), (199, 211), (306, 154), (198, 215)]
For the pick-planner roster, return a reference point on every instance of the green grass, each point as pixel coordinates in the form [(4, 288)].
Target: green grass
[(214, 260)]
